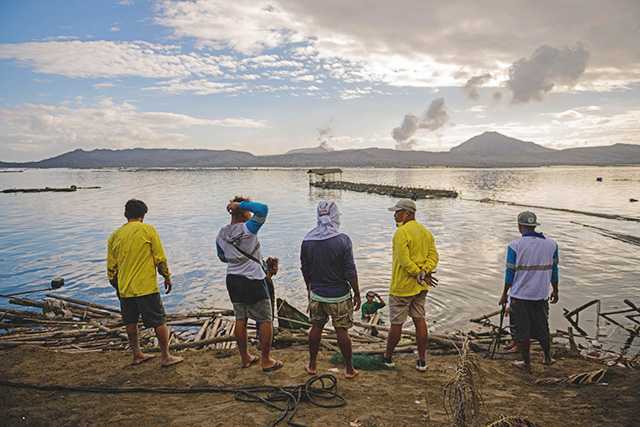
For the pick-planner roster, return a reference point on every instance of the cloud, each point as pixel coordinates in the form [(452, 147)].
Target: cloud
[(195, 87), (436, 42), (89, 59), (115, 28), (434, 118), (103, 85), (245, 26), (472, 85), (55, 128), (531, 78)]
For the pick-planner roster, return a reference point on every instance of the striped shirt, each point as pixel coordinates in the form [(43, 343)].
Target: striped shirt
[(532, 266)]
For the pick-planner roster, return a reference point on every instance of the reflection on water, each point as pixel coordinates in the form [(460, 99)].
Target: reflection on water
[(49, 234)]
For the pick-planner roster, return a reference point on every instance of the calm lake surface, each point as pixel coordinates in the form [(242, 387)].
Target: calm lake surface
[(44, 235)]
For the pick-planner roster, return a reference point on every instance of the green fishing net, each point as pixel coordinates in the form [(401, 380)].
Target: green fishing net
[(365, 362)]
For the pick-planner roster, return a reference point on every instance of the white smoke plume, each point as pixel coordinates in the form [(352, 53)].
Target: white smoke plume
[(324, 136), (531, 78), (434, 118), (472, 85)]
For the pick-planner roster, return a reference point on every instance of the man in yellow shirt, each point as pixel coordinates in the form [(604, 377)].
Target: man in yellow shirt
[(414, 260), (134, 253)]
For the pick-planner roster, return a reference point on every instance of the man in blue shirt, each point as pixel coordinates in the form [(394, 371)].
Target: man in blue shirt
[(329, 271), (531, 274)]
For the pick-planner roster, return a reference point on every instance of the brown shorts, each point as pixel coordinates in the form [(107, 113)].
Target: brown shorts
[(341, 313), (402, 307)]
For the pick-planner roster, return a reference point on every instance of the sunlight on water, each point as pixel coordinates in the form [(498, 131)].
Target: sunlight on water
[(64, 234)]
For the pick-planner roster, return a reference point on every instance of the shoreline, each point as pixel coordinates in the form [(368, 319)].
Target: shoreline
[(376, 398)]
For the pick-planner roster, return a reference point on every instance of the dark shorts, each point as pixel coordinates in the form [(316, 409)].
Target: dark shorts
[(149, 306), (529, 319), (246, 291)]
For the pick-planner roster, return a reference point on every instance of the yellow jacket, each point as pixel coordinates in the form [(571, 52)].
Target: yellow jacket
[(414, 250), (134, 252)]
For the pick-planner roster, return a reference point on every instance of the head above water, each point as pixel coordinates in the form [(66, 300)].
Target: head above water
[(237, 214), (135, 209), (527, 222), (404, 211)]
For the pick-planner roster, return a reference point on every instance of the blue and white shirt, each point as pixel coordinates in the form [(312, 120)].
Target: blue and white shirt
[(532, 266), (245, 236)]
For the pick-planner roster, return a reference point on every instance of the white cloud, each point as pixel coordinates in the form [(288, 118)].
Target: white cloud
[(196, 87), (115, 28), (55, 128), (436, 39), (103, 85), (110, 59)]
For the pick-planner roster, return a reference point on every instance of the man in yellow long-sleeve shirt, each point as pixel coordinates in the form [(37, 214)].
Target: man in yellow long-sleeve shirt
[(134, 253), (415, 257)]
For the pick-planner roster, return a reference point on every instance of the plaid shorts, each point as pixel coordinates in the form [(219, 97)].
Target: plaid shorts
[(341, 313)]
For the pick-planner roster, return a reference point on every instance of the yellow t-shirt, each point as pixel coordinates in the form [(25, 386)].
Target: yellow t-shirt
[(414, 250), (134, 252)]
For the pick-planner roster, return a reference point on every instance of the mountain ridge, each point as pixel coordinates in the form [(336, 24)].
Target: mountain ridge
[(489, 149)]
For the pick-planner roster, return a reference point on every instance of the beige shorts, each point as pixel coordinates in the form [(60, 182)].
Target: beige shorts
[(341, 313), (402, 307)]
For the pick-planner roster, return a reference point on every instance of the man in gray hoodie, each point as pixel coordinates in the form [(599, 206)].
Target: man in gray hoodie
[(237, 245)]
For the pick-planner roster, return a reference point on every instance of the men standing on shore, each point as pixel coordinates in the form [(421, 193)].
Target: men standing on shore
[(415, 258), (133, 255), (237, 245), (531, 273), (329, 271)]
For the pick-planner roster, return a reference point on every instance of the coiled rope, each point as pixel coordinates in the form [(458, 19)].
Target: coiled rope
[(319, 390)]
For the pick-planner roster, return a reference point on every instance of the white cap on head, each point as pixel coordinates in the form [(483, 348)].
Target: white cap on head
[(404, 205)]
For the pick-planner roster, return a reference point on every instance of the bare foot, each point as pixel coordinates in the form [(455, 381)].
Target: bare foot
[(141, 358), (310, 370), (252, 361), (273, 366), (170, 361), (351, 375), (523, 366)]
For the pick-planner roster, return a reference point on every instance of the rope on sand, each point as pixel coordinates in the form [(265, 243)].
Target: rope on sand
[(512, 421), (319, 390)]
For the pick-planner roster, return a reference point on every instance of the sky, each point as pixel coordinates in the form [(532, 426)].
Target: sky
[(270, 76)]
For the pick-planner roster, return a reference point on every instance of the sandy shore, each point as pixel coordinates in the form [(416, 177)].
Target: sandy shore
[(376, 398)]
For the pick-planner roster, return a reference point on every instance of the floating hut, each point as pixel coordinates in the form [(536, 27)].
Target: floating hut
[(324, 175)]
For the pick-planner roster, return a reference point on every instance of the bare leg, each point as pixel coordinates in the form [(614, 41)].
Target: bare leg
[(241, 336), (344, 342), (162, 332), (523, 346), (546, 348), (421, 337), (134, 344), (395, 331), (266, 336), (315, 335)]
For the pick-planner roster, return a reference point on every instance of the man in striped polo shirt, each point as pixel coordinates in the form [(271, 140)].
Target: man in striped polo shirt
[(531, 274)]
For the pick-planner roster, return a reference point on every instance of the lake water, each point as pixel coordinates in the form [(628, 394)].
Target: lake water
[(64, 234)]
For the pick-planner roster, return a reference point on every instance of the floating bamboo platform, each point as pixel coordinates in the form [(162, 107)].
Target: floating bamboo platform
[(69, 189), (413, 193)]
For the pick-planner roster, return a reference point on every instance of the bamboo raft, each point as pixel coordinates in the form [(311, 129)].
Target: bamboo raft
[(387, 190), (69, 189)]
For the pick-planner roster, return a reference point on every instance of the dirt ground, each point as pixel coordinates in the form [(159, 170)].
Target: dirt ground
[(399, 397)]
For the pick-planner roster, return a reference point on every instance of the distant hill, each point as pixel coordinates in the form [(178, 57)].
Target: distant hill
[(320, 149), (490, 149), (494, 143)]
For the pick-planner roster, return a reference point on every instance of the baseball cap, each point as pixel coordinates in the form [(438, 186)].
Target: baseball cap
[(404, 205), (528, 218)]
